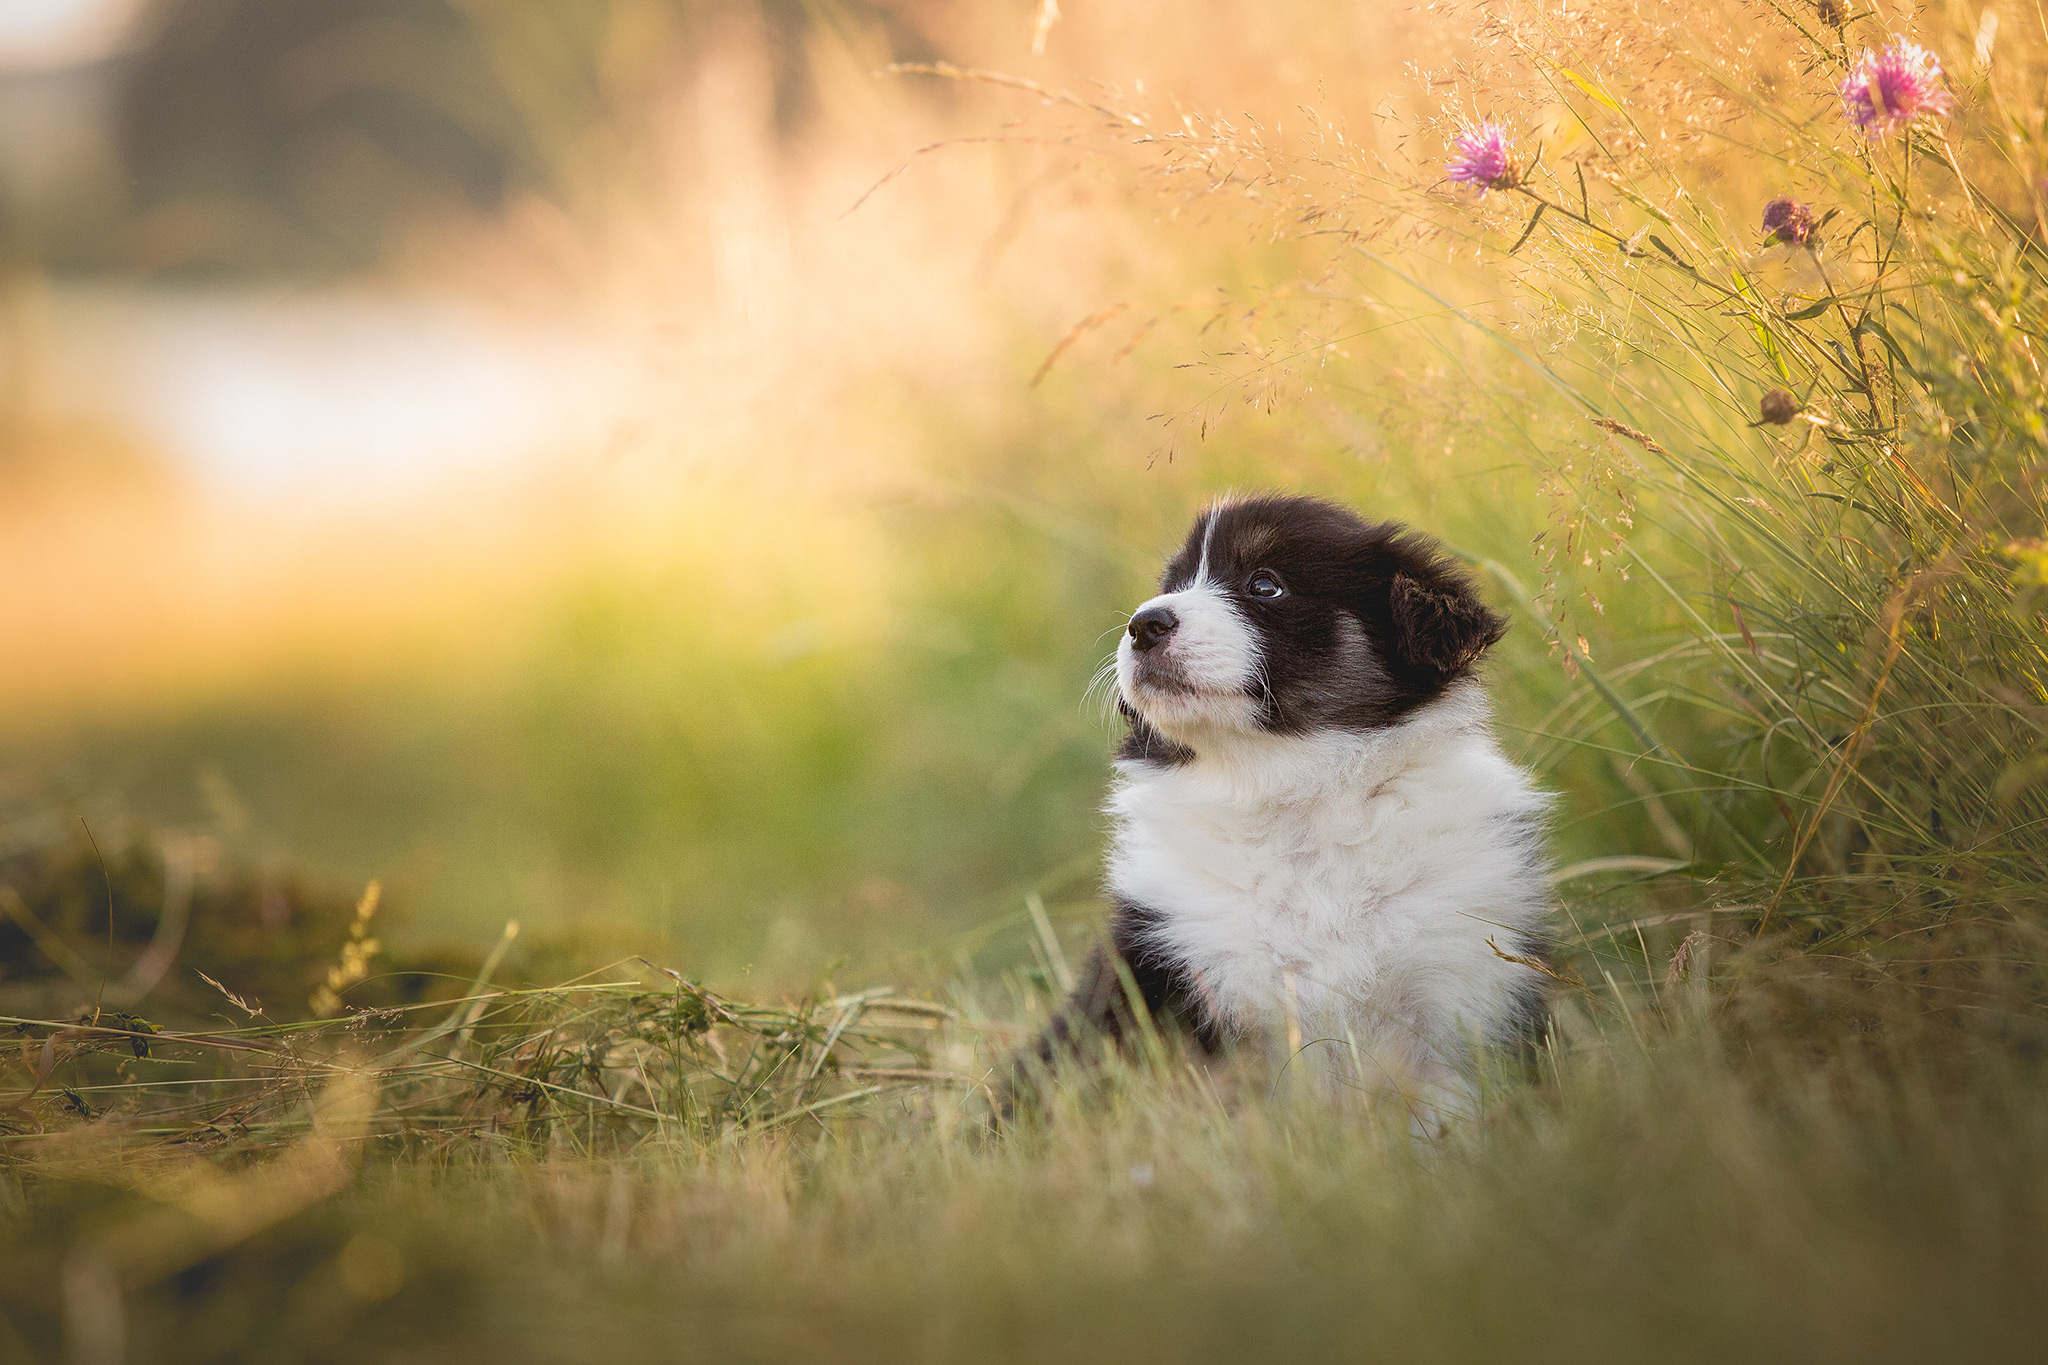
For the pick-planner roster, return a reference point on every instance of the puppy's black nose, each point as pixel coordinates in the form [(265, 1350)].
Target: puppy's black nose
[(1151, 626)]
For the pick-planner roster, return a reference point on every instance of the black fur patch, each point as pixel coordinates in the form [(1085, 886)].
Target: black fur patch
[(1101, 1003), (1142, 743), (1527, 1028), (1373, 621)]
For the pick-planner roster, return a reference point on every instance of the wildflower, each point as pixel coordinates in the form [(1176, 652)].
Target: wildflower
[(1480, 157), (1889, 89), (1778, 407), (1787, 220)]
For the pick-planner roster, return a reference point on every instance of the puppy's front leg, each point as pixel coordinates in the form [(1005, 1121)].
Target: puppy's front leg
[(1101, 1004)]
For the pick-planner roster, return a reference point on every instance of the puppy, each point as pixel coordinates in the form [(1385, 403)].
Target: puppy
[(1316, 839)]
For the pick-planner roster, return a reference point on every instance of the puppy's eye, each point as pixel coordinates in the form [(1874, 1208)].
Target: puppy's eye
[(1264, 584)]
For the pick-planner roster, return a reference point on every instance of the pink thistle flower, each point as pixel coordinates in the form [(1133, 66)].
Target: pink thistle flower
[(1787, 220), (1889, 89), (1480, 157)]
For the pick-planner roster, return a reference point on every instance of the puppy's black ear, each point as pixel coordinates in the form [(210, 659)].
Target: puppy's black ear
[(1440, 625)]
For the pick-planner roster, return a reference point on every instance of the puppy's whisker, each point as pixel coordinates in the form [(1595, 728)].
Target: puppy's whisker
[(1101, 692)]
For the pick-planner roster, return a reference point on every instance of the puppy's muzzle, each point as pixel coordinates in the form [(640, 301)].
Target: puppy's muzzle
[(1152, 627)]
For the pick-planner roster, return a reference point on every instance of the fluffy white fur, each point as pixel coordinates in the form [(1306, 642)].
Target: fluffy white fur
[(1339, 887)]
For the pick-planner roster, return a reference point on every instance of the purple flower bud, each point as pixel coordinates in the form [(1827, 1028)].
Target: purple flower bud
[(1787, 220), (1778, 407), (1480, 157)]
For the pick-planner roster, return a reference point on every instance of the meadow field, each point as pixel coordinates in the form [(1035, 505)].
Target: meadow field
[(539, 853)]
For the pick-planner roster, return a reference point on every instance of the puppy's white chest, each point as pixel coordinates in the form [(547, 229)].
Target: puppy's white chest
[(1272, 868), (1350, 887), (1273, 903)]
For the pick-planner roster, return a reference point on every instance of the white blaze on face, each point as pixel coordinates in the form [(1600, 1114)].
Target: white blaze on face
[(1197, 678)]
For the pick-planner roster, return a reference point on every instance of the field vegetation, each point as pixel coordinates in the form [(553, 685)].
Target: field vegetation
[(725, 800)]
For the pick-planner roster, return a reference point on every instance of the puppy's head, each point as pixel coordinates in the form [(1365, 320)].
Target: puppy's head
[(1288, 615)]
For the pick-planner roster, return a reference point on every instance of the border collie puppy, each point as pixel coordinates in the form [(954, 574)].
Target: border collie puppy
[(1316, 837)]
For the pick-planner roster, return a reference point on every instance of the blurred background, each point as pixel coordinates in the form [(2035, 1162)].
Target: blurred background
[(595, 462)]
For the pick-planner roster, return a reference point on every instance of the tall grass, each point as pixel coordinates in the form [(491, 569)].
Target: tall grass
[(1789, 478), (1858, 689), (1657, 1196)]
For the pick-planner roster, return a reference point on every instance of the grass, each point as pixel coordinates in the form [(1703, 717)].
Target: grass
[(1656, 1195), (1786, 676)]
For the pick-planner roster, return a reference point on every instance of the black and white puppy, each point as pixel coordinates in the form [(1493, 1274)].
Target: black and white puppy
[(1316, 836)]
